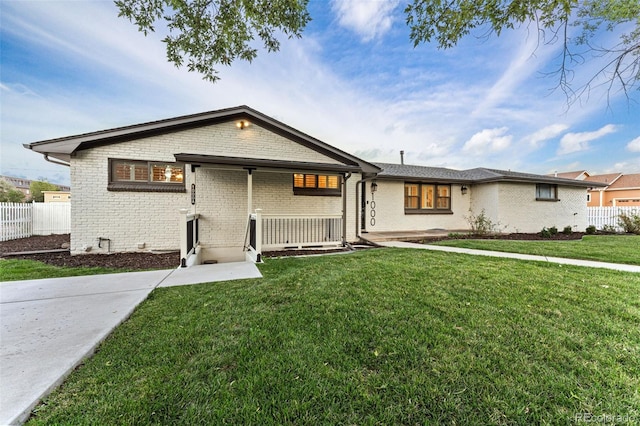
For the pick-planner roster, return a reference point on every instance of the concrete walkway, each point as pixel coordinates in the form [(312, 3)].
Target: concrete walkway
[(49, 326), (558, 260)]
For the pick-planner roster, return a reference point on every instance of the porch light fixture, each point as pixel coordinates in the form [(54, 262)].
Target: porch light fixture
[(374, 186), (463, 189), (242, 124)]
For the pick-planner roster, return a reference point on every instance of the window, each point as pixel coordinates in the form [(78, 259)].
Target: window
[(309, 184), (546, 192), (134, 175), (427, 198)]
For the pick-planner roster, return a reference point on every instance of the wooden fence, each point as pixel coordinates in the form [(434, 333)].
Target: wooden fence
[(21, 220), (608, 216)]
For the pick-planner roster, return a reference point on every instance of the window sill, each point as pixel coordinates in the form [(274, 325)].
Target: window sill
[(548, 199), (424, 211), (318, 192), (145, 187)]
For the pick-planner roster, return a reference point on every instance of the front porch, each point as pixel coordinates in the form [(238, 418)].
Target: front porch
[(241, 207)]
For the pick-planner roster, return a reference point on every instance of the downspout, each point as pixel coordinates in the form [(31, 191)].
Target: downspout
[(345, 177), (46, 157)]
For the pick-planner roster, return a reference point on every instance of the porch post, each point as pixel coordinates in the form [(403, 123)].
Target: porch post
[(183, 236), (249, 192), (345, 177)]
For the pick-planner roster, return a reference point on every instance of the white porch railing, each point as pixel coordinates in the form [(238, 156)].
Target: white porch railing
[(189, 238), (608, 216), (276, 232)]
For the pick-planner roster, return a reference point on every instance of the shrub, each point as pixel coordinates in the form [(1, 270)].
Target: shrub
[(553, 230), (591, 229), (609, 229), (630, 223), (567, 230), (455, 235), (481, 224), (546, 233)]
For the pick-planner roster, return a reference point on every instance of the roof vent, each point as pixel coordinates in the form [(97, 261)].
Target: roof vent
[(402, 157)]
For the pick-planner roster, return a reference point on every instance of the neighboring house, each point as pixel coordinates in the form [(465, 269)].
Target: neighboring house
[(620, 190), (56, 196), (578, 175), (24, 185), (417, 197), (232, 176)]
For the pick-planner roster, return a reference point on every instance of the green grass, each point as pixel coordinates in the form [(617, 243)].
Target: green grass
[(19, 269), (386, 336), (604, 248)]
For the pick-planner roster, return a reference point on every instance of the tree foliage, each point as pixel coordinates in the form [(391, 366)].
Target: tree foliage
[(9, 193), (204, 33), (447, 21), (37, 187)]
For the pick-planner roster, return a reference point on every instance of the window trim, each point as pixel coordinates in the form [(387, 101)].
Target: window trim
[(435, 209), (315, 191), (148, 185), (554, 188)]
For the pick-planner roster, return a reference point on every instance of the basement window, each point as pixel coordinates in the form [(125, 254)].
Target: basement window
[(145, 176)]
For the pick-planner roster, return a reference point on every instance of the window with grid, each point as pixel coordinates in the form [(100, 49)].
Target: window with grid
[(427, 197), (139, 175), (312, 184)]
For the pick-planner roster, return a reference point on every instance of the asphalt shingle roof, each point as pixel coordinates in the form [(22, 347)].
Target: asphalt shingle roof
[(477, 175)]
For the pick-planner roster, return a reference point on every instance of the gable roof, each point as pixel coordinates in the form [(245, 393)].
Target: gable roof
[(631, 181), (477, 175), (62, 148), (606, 179), (578, 174)]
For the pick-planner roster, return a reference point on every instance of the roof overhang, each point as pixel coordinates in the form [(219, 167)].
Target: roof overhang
[(63, 148), (264, 164)]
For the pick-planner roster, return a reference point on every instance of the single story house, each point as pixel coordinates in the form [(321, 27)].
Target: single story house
[(228, 184), (407, 197)]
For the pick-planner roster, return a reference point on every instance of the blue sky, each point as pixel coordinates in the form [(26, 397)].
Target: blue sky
[(354, 80)]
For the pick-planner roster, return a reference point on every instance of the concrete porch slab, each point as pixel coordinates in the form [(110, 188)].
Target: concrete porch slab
[(211, 273)]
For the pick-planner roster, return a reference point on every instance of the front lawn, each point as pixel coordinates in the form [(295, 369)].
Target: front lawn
[(387, 336), (603, 248), (20, 269)]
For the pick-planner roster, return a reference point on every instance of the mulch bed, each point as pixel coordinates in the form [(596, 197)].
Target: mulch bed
[(514, 237), (132, 261), (143, 261)]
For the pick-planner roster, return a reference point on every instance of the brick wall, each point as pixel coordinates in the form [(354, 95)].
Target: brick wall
[(131, 218)]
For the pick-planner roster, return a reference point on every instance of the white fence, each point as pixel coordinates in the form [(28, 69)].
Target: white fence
[(21, 220), (608, 216)]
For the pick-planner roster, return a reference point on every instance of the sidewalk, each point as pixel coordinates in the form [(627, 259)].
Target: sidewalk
[(49, 326), (558, 260)]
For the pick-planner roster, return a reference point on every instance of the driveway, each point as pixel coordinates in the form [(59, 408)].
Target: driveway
[(49, 326)]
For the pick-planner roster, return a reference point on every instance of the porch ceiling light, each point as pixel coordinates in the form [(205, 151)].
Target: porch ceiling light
[(242, 124)]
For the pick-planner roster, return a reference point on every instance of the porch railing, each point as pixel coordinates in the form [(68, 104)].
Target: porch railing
[(299, 231), (189, 236), (277, 232)]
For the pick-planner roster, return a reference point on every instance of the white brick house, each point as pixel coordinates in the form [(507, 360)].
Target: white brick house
[(224, 183), (131, 185), (410, 198)]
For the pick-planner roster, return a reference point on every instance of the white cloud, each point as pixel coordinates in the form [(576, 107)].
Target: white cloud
[(549, 132), (369, 19), (492, 140), (634, 145), (576, 142)]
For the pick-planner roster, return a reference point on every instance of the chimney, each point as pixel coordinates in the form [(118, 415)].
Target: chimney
[(401, 157), (555, 174)]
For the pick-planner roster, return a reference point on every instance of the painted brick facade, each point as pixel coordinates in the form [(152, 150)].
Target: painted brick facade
[(513, 206), (130, 219), (390, 214)]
